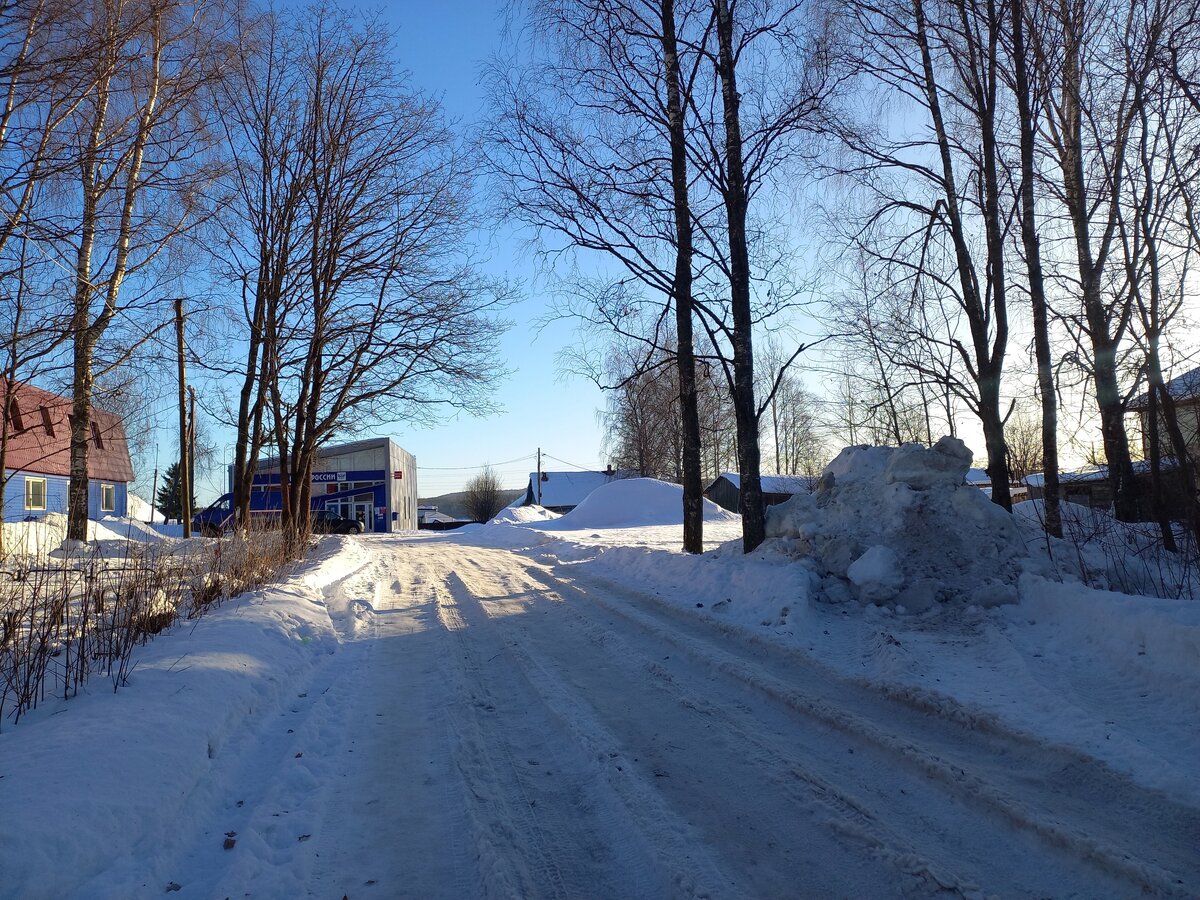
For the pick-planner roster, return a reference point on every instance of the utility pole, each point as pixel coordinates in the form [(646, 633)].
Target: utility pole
[(539, 477), (185, 486), (191, 440)]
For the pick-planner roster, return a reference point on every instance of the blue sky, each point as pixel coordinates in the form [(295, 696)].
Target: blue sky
[(443, 44)]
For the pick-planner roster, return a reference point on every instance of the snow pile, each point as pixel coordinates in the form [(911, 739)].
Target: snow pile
[(900, 525), (139, 530), (143, 511), (635, 502), (47, 534), (522, 515)]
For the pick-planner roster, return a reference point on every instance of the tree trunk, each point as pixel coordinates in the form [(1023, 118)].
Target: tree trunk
[(988, 356), (81, 424), (249, 414), (750, 502), (693, 498), (989, 392), (1179, 448), (1037, 287), (1104, 346)]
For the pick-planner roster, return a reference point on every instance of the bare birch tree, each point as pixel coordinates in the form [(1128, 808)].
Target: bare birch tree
[(136, 144)]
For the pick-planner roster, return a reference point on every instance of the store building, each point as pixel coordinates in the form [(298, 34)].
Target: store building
[(373, 481)]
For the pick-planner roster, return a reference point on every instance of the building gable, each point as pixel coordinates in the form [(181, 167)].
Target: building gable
[(39, 439)]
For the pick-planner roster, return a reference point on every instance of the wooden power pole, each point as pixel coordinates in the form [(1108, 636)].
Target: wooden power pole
[(185, 485)]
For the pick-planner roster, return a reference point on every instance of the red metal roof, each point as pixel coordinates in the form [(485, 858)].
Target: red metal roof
[(42, 443)]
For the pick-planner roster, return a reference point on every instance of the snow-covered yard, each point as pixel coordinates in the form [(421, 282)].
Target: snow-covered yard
[(571, 706)]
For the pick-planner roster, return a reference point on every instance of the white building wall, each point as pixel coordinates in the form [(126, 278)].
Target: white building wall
[(402, 492)]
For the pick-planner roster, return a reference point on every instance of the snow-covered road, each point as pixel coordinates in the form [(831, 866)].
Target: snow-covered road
[(496, 726)]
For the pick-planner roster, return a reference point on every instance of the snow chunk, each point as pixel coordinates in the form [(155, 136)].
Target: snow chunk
[(946, 462), (902, 525), (521, 515), (876, 575)]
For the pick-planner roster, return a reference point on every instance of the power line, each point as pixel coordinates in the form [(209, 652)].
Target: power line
[(473, 468), (595, 468)]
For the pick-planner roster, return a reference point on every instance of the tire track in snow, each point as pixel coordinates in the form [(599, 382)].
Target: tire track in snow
[(1163, 834), (769, 795), (515, 823), (834, 811), (689, 870)]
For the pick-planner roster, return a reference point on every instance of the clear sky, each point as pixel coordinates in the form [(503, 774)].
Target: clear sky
[(443, 44)]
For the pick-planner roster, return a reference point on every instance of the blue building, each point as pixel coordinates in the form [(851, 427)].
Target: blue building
[(37, 463), (373, 481)]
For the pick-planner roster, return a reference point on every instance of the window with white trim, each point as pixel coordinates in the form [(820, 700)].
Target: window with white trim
[(35, 493), (108, 498)]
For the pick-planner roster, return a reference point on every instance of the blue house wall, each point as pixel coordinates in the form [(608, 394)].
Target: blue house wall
[(56, 497)]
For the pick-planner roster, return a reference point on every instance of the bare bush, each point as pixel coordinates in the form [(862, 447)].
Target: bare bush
[(485, 496), (65, 619)]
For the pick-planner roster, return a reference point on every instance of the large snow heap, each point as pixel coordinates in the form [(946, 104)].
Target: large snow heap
[(891, 525)]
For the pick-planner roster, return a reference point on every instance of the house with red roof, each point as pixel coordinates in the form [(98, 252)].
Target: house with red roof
[(37, 465)]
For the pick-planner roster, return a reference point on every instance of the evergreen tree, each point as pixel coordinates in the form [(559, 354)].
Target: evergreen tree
[(167, 500)]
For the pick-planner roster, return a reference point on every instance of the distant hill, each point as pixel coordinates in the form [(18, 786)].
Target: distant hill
[(456, 504)]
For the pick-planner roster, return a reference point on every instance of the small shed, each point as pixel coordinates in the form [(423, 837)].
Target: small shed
[(1089, 486), (726, 490)]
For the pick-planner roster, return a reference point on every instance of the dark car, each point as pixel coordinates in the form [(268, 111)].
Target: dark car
[(326, 522)]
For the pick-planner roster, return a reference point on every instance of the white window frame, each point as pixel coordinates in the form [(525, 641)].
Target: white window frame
[(29, 483), (111, 489)]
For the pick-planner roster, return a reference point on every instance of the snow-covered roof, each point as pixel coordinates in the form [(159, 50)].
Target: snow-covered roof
[(1092, 474), (978, 476), (775, 484), (559, 489), (428, 514), (1181, 387)]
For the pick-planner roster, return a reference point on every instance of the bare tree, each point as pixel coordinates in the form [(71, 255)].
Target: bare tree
[(1093, 63), (484, 495), (1025, 446), (939, 203), (1028, 103), (261, 115), (136, 148), (1160, 242), (590, 146), (377, 309)]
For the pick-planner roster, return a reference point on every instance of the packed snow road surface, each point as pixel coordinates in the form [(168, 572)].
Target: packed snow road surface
[(443, 717), (502, 728)]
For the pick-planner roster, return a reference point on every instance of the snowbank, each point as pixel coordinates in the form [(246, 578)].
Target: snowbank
[(1114, 675), (46, 534), (900, 525), (139, 530), (191, 690), (522, 515), (632, 502), (142, 511), (1109, 554)]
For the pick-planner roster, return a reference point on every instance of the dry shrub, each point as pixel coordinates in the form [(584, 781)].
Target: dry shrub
[(66, 617)]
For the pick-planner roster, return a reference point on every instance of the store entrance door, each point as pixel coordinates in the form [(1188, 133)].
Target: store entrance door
[(363, 511)]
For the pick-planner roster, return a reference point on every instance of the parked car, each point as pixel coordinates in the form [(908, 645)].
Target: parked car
[(326, 522), (213, 520)]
